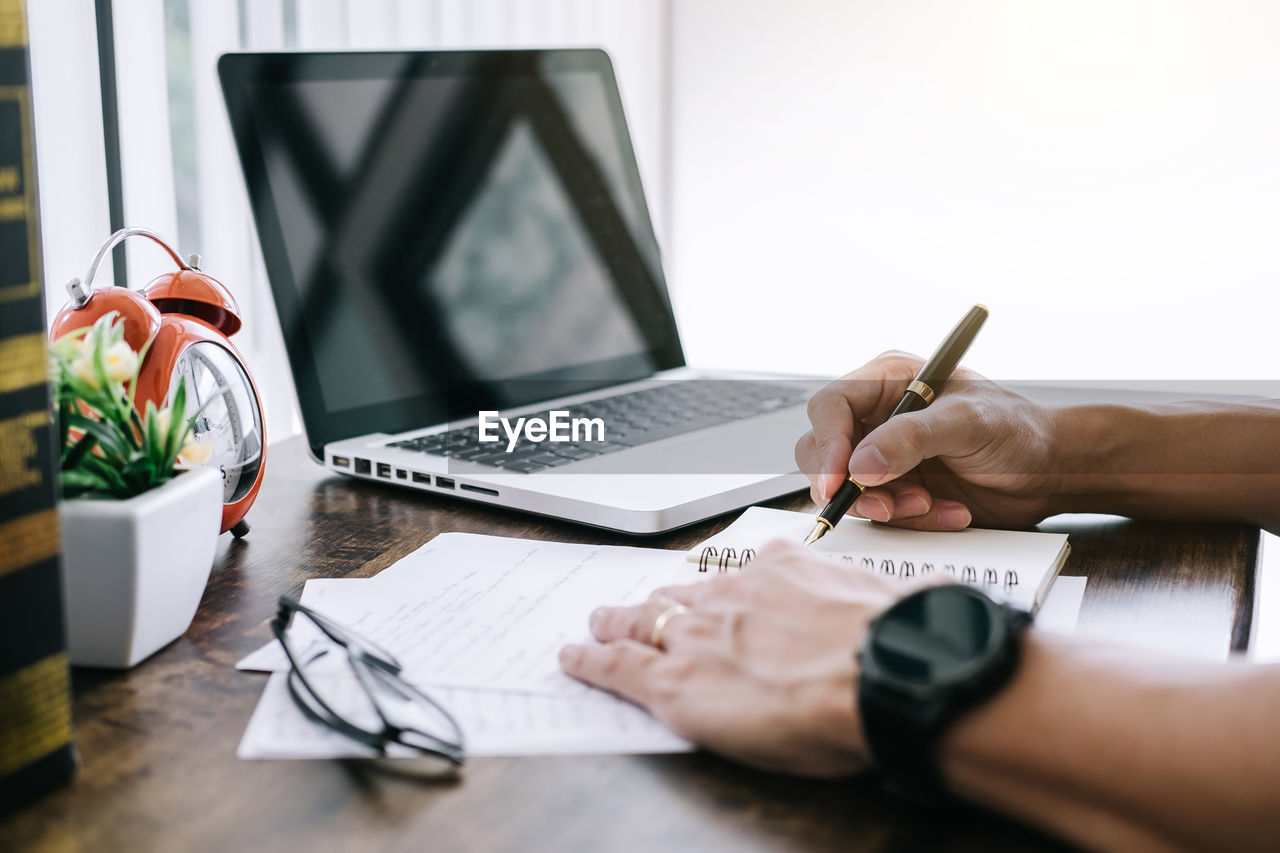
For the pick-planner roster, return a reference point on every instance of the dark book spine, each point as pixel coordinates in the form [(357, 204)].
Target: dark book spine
[(35, 709)]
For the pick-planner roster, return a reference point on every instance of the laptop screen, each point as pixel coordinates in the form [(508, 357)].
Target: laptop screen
[(445, 232)]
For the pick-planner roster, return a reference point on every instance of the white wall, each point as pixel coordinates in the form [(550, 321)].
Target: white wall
[(848, 176), (71, 167)]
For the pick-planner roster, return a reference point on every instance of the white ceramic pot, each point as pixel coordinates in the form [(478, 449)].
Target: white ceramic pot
[(134, 570)]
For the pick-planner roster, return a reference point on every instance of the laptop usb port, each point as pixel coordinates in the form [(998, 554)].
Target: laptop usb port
[(444, 483), (342, 461), (384, 470), (421, 478), (466, 487)]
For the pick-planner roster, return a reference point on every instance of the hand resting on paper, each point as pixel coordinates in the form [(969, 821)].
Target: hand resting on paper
[(761, 666)]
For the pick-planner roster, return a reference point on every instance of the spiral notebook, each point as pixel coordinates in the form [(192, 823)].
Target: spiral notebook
[(1015, 566)]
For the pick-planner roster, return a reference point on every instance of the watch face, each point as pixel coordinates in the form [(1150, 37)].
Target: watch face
[(230, 420), (936, 637)]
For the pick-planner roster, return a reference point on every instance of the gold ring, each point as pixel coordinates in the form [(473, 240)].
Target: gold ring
[(655, 636), (921, 389)]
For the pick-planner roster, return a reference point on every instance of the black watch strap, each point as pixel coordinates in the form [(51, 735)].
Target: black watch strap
[(901, 748)]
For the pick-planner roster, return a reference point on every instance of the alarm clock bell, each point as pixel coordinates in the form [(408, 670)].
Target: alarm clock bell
[(187, 317)]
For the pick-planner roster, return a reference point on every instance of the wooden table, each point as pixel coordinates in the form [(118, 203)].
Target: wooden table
[(158, 742)]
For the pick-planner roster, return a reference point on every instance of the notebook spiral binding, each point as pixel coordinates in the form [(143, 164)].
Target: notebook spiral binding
[(722, 561)]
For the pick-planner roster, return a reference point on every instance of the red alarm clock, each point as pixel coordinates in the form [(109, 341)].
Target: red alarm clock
[(188, 317)]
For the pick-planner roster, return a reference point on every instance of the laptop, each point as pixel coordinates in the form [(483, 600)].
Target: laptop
[(471, 293)]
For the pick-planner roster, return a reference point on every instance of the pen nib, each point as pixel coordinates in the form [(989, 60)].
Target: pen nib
[(819, 530)]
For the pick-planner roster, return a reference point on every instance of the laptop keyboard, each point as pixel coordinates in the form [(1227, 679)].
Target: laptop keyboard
[(632, 419)]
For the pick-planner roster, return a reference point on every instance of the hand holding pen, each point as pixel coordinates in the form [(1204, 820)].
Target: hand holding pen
[(979, 454), (920, 392)]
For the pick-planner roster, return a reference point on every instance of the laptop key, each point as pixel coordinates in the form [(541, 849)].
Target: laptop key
[(525, 467), (470, 454), (573, 453), (546, 460)]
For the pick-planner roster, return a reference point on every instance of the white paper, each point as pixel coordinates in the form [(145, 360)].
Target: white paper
[(318, 594), (492, 613), (492, 722), (1061, 608)]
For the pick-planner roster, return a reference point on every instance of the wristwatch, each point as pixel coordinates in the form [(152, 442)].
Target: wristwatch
[(926, 660)]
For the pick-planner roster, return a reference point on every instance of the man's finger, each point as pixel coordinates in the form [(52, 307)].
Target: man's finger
[(621, 667), (943, 515), (910, 498), (875, 504), (900, 499), (688, 594), (947, 428), (834, 424), (837, 413), (636, 621), (806, 454)]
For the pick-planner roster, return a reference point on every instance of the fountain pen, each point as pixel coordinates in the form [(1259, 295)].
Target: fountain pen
[(928, 384)]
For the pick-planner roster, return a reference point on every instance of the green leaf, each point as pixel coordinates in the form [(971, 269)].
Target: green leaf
[(179, 426), (136, 432), (133, 380), (78, 389), (59, 346), (141, 474), (109, 438), (64, 426), (102, 326), (115, 330), (152, 443), (117, 404), (115, 483), (75, 483), (80, 394), (155, 448), (73, 455)]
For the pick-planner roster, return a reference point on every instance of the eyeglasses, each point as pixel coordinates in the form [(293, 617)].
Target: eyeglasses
[(365, 697)]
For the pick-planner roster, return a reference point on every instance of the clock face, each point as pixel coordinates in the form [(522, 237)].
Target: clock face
[(230, 421)]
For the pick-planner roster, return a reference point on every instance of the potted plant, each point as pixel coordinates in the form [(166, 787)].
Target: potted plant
[(138, 541)]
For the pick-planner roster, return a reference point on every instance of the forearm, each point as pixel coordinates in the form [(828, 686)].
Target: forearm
[(1192, 461), (1117, 750)]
